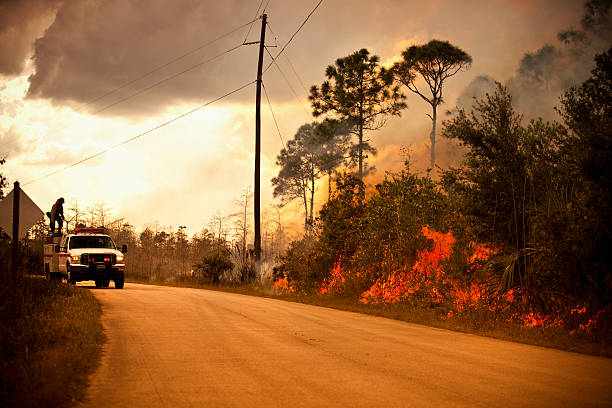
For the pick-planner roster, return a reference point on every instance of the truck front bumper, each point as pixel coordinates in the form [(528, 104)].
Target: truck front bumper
[(79, 272)]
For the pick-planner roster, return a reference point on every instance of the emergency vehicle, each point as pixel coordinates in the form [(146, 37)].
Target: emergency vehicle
[(85, 254)]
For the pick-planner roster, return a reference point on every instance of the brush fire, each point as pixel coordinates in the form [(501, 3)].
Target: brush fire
[(426, 282)]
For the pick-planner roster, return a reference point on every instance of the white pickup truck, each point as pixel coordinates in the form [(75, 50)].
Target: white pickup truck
[(85, 254)]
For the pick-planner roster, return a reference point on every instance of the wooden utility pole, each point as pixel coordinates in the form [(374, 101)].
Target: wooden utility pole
[(15, 253), (257, 208)]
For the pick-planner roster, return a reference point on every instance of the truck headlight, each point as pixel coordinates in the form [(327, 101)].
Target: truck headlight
[(119, 258), (75, 258)]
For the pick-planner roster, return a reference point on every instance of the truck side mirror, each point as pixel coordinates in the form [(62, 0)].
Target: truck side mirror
[(57, 248), (124, 248)]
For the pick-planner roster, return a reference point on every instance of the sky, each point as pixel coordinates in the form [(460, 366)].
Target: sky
[(61, 63)]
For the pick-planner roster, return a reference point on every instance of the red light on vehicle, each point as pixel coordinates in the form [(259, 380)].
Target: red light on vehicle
[(77, 230), (106, 259), (91, 259)]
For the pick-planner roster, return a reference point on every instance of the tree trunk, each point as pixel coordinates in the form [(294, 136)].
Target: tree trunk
[(244, 235), (305, 211), (360, 150), (329, 181), (432, 137), (312, 191)]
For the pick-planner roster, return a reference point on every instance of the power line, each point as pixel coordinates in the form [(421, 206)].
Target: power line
[(273, 116), (294, 34), (193, 110), (289, 61), (253, 22), (289, 84), (140, 134), (143, 90), (265, 7), (169, 62), (296, 74)]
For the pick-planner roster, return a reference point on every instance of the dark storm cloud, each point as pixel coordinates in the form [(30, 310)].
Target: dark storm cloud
[(94, 46), (21, 22)]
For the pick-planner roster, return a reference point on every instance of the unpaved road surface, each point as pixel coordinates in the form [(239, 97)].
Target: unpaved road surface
[(176, 347)]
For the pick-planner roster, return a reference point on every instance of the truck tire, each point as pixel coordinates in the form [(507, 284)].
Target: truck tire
[(119, 283), (99, 284), (69, 281)]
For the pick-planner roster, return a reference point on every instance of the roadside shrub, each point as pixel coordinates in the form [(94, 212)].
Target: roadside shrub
[(212, 267)]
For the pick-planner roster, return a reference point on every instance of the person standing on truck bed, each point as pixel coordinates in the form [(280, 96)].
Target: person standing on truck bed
[(57, 214)]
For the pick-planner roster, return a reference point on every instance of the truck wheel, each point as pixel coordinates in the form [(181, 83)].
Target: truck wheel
[(68, 280), (98, 284), (119, 283)]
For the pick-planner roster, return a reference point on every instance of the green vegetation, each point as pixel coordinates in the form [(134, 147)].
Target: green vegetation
[(360, 92), (50, 341), (317, 149), (518, 235), (513, 243), (433, 62), (213, 267)]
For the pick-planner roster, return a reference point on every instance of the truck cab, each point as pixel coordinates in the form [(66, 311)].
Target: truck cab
[(85, 254)]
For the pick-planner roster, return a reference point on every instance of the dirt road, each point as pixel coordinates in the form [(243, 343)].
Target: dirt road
[(175, 347)]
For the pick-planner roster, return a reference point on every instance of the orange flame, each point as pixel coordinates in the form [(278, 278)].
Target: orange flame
[(533, 319), (426, 279), (427, 270), (283, 285), (336, 281)]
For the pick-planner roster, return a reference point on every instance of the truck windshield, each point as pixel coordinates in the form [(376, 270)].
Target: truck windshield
[(91, 241)]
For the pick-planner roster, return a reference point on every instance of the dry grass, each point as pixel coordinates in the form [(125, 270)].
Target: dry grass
[(483, 323), (50, 340)]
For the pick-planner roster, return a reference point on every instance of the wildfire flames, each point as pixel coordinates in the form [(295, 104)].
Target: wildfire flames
[(424, 275), (335, 281), (426, 281), (283, 285)]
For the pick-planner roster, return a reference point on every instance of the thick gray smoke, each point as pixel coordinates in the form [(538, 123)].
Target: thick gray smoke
[(545, 74), (21, 22), (82, 49)]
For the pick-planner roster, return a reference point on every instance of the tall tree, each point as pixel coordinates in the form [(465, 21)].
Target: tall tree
[(587, 112), (299, 170), (434, 62), (358, 91), (332, 136), (241, 224)]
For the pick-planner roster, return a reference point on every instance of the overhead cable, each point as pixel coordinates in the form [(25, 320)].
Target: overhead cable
[(293, 35), (253, 22), (289, 84), (273, 116), (143, 90), (169, 62), (289, 61), (265, 7), (141, 134)]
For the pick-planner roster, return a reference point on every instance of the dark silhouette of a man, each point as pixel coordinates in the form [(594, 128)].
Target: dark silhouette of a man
[(57, 214)]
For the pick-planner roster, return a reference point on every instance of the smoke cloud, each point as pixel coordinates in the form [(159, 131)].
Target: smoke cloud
[(543, 75), (82, 49), (22, 22)]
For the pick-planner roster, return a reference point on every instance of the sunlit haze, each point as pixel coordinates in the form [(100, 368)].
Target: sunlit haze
[(66, 54)]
